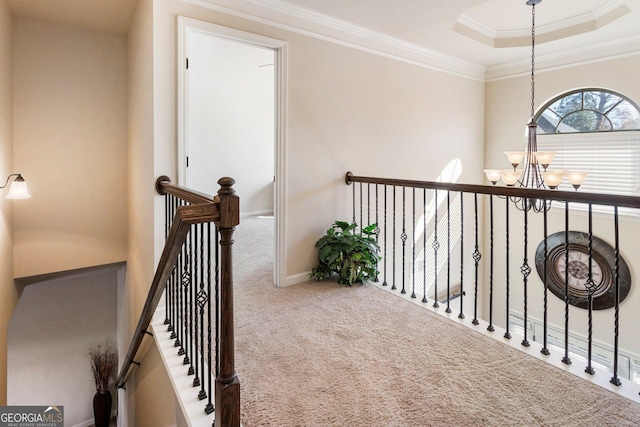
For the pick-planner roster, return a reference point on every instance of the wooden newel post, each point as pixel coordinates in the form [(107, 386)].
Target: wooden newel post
[(227, 387)]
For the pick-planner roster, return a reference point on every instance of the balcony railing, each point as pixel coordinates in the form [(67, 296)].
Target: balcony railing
[(468, 251), (196, 277)]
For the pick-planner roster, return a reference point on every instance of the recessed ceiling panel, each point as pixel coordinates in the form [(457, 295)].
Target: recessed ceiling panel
[(555, 20)]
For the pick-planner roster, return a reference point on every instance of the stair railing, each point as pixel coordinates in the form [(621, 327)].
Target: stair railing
[(434, 234), (191, 262)]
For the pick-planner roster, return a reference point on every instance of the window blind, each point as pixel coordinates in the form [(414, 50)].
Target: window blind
[(612, 160)]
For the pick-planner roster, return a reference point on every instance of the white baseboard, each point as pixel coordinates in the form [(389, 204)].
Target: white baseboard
[(268, 212), (297, 278)]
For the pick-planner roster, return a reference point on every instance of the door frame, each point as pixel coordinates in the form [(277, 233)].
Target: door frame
[(186, 25)]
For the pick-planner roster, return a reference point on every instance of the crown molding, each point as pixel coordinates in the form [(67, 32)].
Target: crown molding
[(304, 21), (615, 49), (280, 14)]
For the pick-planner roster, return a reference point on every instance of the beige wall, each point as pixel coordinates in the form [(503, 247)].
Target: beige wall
[(8, 291), (350, 110), (70, 116), (347, 110), (150, 400), (140, 264), (507, 111)]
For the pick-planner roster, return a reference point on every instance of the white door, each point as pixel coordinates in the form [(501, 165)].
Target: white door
[(231, 119), (230, 124)]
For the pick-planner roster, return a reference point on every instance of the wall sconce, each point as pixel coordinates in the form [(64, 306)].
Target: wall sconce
[(18, 189)]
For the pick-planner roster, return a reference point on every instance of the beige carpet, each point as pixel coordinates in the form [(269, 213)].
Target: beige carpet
[(320, 354)]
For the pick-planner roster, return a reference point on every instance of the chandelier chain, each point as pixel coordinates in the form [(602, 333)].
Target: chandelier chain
[(535, 163), (533, 61)]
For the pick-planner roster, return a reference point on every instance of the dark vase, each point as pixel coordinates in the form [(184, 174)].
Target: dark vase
[(102, 409)]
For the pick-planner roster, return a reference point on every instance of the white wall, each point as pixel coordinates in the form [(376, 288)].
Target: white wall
[(8, 290), (231, 118), (508, 110), (53, 327), (70, 118)]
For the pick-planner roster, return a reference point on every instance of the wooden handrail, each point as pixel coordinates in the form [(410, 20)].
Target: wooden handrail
[(570, 196), (185, 216), (164, 186), (224, 211)]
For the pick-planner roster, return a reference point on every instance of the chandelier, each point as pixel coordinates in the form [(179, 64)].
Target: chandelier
[(535, 173)]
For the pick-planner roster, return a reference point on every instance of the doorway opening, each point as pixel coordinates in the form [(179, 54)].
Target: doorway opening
[(232, 121)]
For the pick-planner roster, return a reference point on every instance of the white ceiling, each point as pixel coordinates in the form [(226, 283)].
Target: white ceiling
[(477, 38)]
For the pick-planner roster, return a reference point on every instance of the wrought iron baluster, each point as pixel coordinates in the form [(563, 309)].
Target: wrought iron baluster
[(507, 334), (436, 246), (403, 237), (526, 270), (203, 298), (424, 245), (178, 291), (353, 199), (191, 332), (185, 279), (565, 359), (368, 205), (545, 349), (413, 247), (448, 309), (171, 284), (476, 258), (384, 250), (167, 225), (209, 406), (178, 327), (490, 327), (197, 278), (172, 324), (393, 263), (361, 204), (377, 231), (616, 330), (590, 285), (461, 314)]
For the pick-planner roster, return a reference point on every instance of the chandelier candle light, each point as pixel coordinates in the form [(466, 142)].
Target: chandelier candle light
[(534, 173)]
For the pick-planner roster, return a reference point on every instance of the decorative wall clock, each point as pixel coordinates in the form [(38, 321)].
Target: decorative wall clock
[(602, 268)]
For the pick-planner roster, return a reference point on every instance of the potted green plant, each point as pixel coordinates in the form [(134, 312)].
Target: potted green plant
[(351, 256), (104, 360)]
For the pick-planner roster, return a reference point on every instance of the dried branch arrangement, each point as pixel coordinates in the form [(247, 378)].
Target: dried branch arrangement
[(104, 360)]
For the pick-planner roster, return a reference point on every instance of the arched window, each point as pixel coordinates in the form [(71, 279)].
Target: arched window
[(588, 110), (594, 130)]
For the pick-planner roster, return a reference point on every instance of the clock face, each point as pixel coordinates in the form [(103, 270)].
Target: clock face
[(570, 259), (578, 273)]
